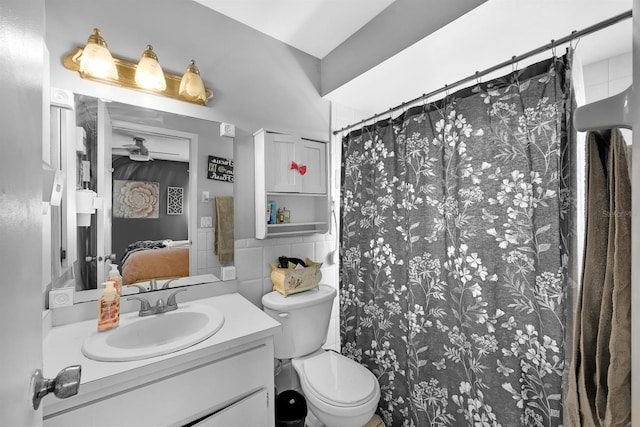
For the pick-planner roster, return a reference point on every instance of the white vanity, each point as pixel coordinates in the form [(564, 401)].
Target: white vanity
[(225, 380)]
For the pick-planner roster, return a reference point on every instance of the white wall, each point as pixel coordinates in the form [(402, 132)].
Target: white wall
[(258, 82), (609, 77)]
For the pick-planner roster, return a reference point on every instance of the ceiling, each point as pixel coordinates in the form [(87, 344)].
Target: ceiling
[(313, 26), (488, 34), (160, 147)]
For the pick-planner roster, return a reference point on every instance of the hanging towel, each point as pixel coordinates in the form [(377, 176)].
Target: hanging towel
[(599, 392), (223, 244)]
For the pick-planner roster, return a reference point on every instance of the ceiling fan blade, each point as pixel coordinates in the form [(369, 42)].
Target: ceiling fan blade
[(163, 152)]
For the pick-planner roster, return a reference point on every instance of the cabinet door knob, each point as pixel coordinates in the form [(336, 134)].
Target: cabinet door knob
[(65, 384)]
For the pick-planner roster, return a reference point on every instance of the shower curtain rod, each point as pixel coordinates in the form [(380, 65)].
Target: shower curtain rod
[(515, 59)]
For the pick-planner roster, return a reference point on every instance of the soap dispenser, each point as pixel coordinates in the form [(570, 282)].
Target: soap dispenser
[(108, 307), (115, 277)]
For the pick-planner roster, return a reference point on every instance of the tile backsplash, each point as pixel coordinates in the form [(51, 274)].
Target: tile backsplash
[(253, 258)]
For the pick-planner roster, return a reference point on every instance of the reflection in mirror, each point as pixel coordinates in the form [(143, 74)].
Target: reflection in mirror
[(141, 164)]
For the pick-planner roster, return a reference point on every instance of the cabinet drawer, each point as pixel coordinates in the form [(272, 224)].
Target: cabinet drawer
[(250, 411), (178, 398)]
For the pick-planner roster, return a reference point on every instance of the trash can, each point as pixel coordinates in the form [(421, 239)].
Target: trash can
[(291, 409)]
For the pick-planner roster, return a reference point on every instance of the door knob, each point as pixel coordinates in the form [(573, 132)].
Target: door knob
[(65, 384)]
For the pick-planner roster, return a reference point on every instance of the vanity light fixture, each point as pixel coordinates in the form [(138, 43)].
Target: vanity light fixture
[(146, 76), (149, 74)]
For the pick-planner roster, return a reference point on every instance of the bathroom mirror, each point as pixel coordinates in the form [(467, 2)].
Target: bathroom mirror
[(143, 170)]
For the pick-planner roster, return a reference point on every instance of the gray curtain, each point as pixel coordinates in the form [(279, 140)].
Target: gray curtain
[(457, 219)]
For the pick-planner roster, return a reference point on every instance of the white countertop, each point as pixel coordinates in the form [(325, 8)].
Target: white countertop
[(244, 323)]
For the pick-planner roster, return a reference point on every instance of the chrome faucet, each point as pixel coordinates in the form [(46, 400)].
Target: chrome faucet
[(147, 310)]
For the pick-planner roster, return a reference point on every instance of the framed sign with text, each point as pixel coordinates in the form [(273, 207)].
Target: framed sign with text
[(220, 169)]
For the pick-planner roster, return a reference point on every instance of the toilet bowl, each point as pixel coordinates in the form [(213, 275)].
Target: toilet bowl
[(339, 391)]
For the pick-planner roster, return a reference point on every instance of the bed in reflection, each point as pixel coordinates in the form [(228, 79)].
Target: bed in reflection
[(155, 259)]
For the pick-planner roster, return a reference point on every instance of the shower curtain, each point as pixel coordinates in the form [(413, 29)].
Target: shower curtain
[(457, 223)]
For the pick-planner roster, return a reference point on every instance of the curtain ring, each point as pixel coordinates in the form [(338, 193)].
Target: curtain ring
[(478, 81), (571, 45), (514, 64), (553, 48)]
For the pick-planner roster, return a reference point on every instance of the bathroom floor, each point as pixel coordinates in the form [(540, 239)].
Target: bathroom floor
[(375, 421)]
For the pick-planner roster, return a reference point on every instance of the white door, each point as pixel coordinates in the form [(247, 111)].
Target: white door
[(314, 156), (279, 152), (104, 189), (21, 120)]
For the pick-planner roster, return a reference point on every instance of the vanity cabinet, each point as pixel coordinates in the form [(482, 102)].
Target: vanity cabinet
[(292, 172), (225, 380), (232, 389)]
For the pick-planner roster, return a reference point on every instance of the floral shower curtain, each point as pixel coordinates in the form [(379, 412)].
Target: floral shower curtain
[(454, 253)]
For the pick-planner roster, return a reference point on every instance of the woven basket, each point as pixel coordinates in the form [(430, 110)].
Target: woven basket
[(289, 281)]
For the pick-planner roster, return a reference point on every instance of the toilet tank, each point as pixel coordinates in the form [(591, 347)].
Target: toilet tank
[(304, 318)]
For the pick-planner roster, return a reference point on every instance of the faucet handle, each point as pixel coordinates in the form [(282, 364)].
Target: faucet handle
[(145, 307), (141, 288), (166, 284), (171, 301)]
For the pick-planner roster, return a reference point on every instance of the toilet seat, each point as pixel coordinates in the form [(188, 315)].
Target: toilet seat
[(337, 380)]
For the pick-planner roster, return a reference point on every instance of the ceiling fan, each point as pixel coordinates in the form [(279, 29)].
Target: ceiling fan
[(139, 152)]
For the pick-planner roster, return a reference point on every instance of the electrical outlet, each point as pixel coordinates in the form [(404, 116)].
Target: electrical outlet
[(228, 273), (206, 222), (62, 297)]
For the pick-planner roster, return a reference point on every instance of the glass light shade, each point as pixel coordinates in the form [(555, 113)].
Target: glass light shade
[(149, 74), (96, 60), (191, 84)]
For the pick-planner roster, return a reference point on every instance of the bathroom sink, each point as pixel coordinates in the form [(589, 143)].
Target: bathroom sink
[(143, 337)]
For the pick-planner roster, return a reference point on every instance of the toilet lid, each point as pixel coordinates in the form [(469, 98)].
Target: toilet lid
[(339, 380)]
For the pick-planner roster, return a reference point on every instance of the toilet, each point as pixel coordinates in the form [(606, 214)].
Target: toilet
[(339, 391)]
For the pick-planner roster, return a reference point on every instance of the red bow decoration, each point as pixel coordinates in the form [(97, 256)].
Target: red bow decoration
[(300, 168)]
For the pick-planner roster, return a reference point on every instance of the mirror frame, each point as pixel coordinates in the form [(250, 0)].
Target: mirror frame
[(65, 99)]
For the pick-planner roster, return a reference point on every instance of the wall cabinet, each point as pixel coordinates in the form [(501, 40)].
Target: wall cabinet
[(292, 172)]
